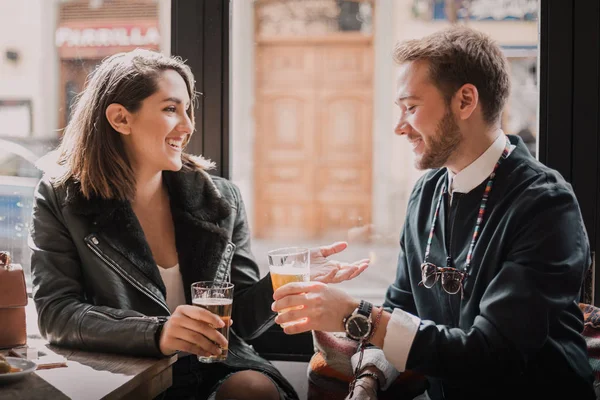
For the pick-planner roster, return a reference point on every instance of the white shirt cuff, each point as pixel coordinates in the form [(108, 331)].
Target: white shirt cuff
[(401, 331), (375, 357)]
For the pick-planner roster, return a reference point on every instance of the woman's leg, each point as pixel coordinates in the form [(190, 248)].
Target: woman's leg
[(247, 385)]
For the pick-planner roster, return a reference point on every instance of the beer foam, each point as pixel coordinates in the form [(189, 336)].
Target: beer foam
[(212, 302), (288, 270)]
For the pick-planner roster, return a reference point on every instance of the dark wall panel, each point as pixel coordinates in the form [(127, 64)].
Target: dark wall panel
[(200, 35)]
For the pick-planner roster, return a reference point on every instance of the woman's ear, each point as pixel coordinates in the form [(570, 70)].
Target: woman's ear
[(466, 100), (119, 118)]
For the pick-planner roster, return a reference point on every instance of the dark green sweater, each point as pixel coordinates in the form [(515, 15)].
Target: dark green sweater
[(517, 332)]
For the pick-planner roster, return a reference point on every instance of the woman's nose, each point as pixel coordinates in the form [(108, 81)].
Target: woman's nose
[(186, 125)]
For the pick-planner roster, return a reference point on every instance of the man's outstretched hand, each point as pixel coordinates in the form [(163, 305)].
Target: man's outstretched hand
[(325, 270)]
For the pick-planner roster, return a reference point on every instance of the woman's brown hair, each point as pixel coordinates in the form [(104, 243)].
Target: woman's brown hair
[(91, 152)]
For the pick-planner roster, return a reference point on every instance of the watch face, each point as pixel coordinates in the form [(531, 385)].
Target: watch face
[(358, 327)]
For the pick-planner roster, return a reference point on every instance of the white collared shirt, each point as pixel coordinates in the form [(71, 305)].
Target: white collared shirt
[(479, 170), (174, 286)]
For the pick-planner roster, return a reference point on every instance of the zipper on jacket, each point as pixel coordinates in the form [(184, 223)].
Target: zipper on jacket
[(92, 242), (121, 318)]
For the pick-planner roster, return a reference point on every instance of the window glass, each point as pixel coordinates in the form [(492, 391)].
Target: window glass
[(313, 113), (47, 49)]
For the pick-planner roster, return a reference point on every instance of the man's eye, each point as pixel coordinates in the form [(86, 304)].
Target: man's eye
[(410, 108)]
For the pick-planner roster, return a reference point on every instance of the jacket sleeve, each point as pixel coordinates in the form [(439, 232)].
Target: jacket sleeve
[(65, 318), (399, 294), (253, 297), (541, 276)]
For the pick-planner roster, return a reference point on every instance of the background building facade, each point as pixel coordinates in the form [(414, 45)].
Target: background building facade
[(313, 109)]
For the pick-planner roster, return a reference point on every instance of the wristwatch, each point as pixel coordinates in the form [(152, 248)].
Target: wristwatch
[(358, 325)]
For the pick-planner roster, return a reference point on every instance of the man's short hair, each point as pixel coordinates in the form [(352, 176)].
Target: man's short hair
[(460, 55)]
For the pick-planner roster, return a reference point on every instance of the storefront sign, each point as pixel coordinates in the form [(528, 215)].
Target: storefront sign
[(503, 9), (480, 10), (73, 40)]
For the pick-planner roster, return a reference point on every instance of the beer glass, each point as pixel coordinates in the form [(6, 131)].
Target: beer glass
[(216, 297), (290, 264)]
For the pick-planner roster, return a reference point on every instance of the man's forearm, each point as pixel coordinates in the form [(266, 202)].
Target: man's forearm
[(394, 335), (381, 328)]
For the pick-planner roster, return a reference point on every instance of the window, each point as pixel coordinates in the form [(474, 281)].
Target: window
[(42, 69), (312, 117)]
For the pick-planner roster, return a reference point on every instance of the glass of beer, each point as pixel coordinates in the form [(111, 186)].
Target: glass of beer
[(290, 264), (216, 297)]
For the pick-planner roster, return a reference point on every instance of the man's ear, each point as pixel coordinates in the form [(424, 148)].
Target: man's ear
[(465, 101), (119, 118)]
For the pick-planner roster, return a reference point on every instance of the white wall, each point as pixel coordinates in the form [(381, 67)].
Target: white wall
[(27, 26), (242, 101), (164, 25), (389, 186)]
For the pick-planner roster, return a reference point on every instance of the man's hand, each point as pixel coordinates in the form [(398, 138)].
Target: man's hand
[(367, 386), (332, 271), (191, 329), (321, 307)]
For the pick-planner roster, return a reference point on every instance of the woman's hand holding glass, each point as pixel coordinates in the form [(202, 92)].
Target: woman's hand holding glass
[(192, 329)]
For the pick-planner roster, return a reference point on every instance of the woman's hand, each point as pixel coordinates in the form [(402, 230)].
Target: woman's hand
[(192, 329), (332, 271)]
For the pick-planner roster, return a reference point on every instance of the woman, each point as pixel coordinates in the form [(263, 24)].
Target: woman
[(124, 222)]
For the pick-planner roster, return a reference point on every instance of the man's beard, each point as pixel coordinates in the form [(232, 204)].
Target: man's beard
[(440, 147)]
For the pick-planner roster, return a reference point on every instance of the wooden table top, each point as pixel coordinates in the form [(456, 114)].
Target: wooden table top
[(89, 375)]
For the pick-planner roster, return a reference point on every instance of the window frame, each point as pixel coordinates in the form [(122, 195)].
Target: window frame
[(200, 35), (569, 107)]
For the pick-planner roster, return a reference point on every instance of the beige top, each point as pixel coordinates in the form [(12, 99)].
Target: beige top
[(174, 285)]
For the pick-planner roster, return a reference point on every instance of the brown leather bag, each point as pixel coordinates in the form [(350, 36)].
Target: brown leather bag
[(13, 299)]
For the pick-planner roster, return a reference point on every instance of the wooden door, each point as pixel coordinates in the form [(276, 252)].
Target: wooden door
[(313, 149)]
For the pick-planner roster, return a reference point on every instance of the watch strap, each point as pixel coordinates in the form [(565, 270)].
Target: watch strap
[(364, 308)]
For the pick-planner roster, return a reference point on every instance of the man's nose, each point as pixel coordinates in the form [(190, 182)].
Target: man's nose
[(402, 127)]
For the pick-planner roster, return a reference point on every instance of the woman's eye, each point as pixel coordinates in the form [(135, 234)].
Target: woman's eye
[(410, 108), (171, 109)]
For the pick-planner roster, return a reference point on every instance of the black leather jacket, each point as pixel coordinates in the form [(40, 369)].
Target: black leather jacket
[(97, 287)]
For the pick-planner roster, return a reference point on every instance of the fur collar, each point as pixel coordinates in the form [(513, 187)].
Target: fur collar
[(197, 207), (193, 191)]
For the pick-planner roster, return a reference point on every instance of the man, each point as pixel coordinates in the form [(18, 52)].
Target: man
[(492, 254)]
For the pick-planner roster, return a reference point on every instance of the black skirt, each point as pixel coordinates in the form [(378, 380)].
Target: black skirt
[(195, 380)]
